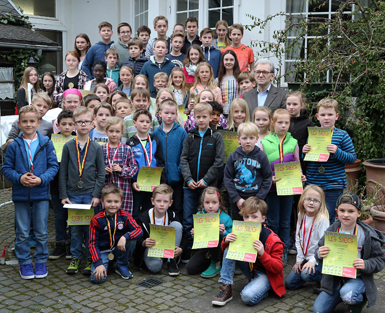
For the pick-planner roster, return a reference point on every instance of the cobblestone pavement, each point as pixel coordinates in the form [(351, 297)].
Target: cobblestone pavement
[(62, 293)]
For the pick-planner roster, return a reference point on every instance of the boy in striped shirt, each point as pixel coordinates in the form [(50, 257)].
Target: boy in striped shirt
[(330, 175)]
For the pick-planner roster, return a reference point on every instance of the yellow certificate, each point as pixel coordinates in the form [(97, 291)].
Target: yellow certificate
[(79, 214), (242, 249), (165, 241), (85, 92), (181, 112), (319, 139), (343, 252), (59, 141), (231, 142), (149, 178), (290, 174), (206, 230)]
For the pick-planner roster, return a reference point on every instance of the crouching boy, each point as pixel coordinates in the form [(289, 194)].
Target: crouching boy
[(113, 234), (356, 292), (267, 272)]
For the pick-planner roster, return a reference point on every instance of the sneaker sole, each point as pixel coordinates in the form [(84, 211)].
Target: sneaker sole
[(221, 303), (184, 261), (124, 277), (72, 273), (42, 276), (211, 276), (173, 274), (68, 257), (55, 257), (27, 277)]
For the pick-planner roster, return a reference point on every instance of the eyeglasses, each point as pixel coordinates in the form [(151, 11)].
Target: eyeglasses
[(264, 73), (80, 123), (313, 200)]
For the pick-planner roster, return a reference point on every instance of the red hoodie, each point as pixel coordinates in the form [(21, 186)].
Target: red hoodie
[(271, 259)]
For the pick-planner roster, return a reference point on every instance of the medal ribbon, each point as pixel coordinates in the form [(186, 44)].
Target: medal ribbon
[(280, 146), (355, 230), (305, 246), (81, 166), (108, 154), (112, 236), (153, 218), (148, 158), (29, 150)]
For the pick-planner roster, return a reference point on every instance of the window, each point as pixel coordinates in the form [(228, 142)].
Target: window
[(51, 60), (141, 13), (220, 10), (185, 9), (322, 9), (7, 83), (45, 8)]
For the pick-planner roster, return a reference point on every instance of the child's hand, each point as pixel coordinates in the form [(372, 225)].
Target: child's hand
[(192, 185), (231, 237), (135, 185), (331, 148), (239, 203), (258, 245), (149, 242), (359, 264), (297, 267), (187, 112), (201, 184), (26, 179), (222, 228), (65, 201), (177, 251), (303, 178), (192, 232), (122, 243), (108, 170), (94, 202), (308, 267), (100, 272), (117, 168), (276, 179), (323, 251), (306, 148)]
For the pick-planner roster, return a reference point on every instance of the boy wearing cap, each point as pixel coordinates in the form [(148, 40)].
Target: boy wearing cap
[(355, 292)]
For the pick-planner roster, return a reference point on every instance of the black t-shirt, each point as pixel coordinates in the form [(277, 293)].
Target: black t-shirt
[(71, 82)]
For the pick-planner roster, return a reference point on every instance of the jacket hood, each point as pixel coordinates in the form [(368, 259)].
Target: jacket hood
[(101, 43), (165, 61), (175, 126), (250, 155), (303, 116), (120, 43), (209, 131)]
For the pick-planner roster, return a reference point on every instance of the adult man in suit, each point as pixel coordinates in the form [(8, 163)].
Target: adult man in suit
[(265, 94)]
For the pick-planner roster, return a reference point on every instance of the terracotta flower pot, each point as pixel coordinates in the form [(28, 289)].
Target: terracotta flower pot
[(353, 172), (375, 178), (378, 213)]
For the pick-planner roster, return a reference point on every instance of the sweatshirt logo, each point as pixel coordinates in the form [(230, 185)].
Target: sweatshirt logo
[(120, 225)]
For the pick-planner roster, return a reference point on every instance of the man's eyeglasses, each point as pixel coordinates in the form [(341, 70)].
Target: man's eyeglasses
[(80, 123), (264, 73)]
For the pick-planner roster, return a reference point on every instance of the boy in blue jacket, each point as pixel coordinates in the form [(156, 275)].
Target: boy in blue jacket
[(147, 152), (213, 56), (30, 164), (157, 63), (98, 51), (171, 136)]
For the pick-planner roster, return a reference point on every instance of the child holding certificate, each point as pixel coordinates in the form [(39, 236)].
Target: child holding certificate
[(113, 235), (280, 147), (313, 220), (370, 260), (207, 262), (330, 175), (159, 215), (267, 271)]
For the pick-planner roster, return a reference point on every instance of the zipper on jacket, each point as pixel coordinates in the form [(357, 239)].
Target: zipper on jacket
[(199, 157), (166, 164), (34, 158)]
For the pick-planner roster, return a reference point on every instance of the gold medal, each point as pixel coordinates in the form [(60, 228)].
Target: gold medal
[(80, 184), (321, 169), (111, 256), (71, 85)]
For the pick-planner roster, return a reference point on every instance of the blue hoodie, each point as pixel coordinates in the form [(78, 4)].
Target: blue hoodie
[(96, 53), (16, 164), (213, 57), (150, 68), (172, 142)]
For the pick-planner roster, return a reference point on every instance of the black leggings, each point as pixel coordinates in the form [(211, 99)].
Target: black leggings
[(199, 261)]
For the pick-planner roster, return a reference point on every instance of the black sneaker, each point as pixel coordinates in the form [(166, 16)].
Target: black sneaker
[(186, 255), (60, 250), (172, 267), (87, 269), (68, 252)]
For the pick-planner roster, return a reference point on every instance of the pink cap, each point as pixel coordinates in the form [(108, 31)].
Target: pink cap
[(72, 91)]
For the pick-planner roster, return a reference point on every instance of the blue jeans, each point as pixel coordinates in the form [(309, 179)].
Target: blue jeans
[(122, 259), (61, 216), (257, 288), (352, 292), (294, 280), (37, 212), (79, 233), (191, 199), (278, 215), (331, 196), (142, 199)]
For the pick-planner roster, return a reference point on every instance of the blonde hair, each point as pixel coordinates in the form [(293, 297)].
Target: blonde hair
[(170, 82), (25, 81), (328, 103), (162, 189), (121, 100), (112, 51), (243, 105), (42, 96), (211, 82), (172, 103), (27, 109), (203, 106), (140, 76), (112, 189), (200, 94), (82, 110), (248, 129), (101, 85), (131, 70), (322, 211), (275, 117), (253, 205), (211, 191), (298, 94), (236, 26), (224, 23), (263, 109), (114, 120), (103, 105), (160, 75), (160, 18)]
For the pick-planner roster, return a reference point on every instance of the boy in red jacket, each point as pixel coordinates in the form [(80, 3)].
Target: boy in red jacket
[(267, 270)]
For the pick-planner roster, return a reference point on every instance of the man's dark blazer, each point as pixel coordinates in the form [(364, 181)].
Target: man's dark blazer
[(276, 98)]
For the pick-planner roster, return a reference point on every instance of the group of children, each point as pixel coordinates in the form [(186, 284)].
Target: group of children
[(114, 137)]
